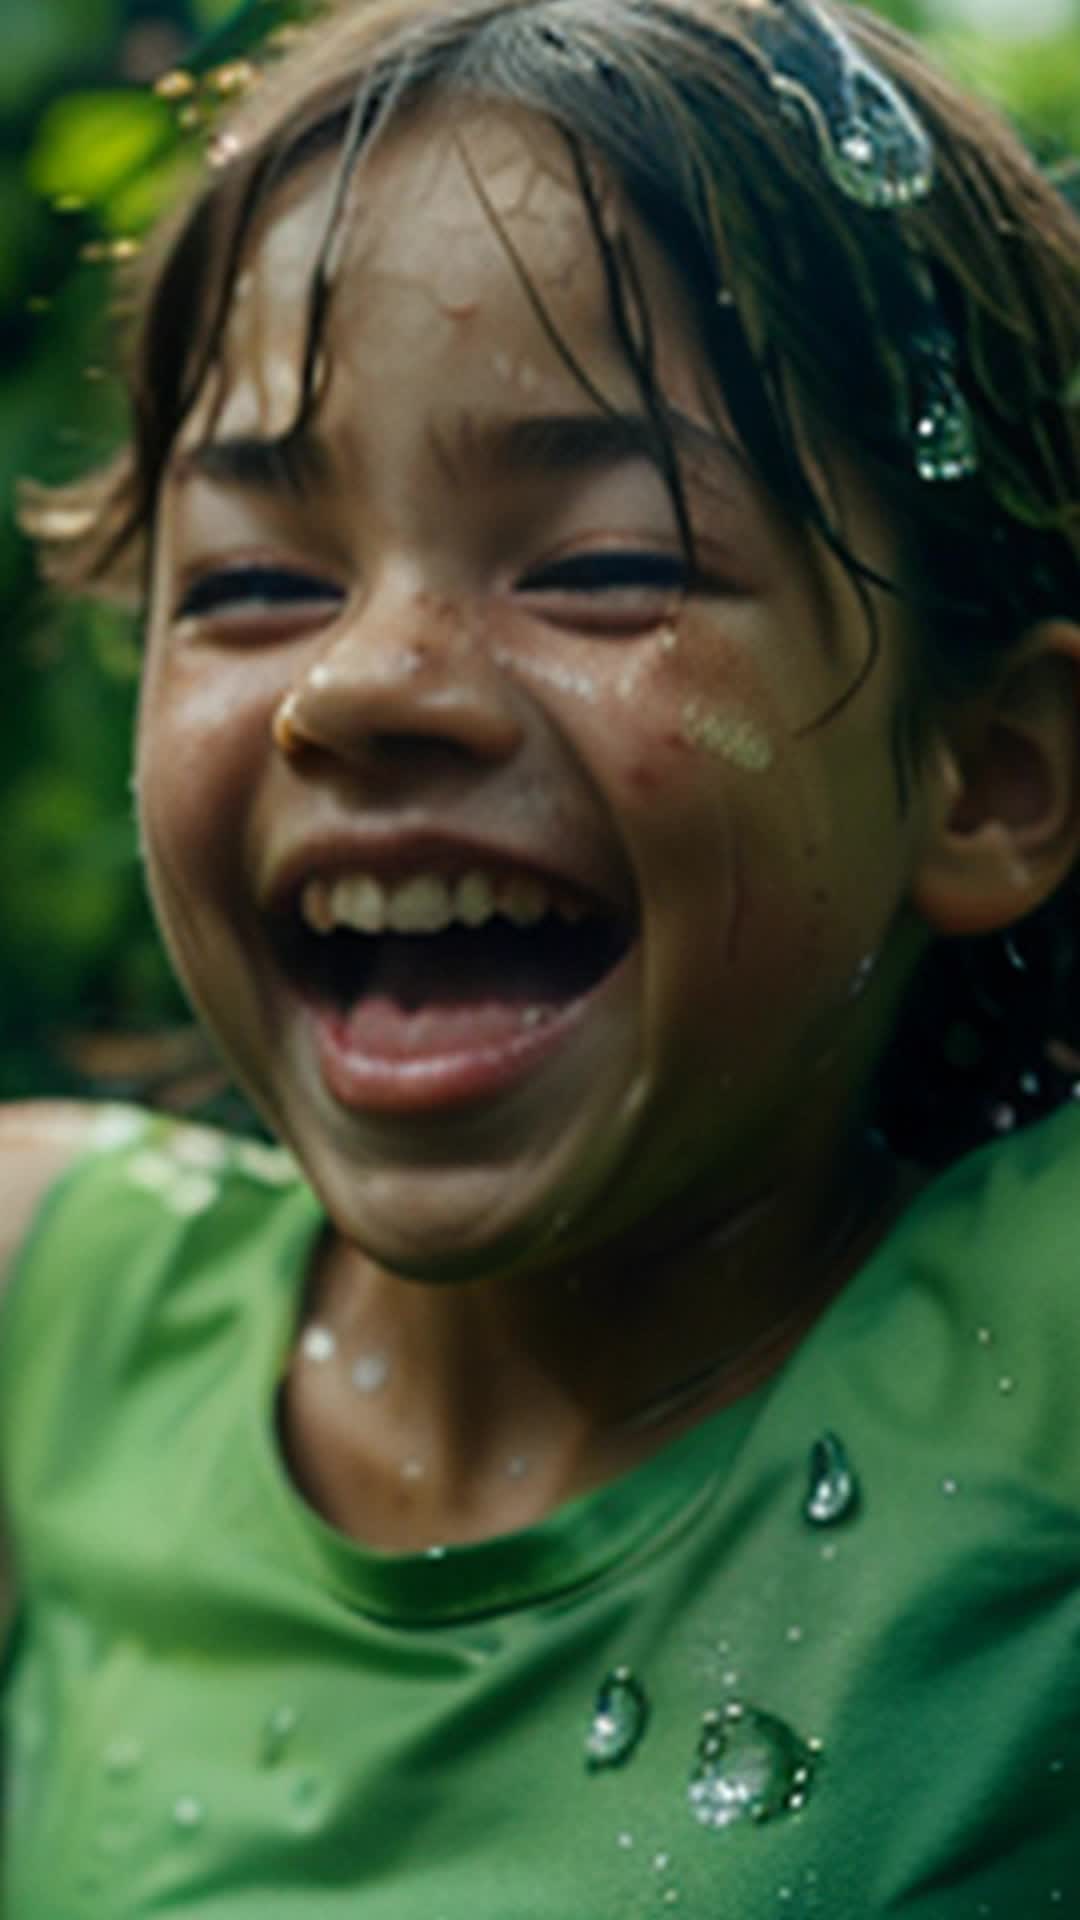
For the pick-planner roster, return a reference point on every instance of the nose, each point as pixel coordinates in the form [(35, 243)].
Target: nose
[(408, 674)]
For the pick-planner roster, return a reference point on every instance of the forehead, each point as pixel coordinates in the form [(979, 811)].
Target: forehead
[(462, 219)]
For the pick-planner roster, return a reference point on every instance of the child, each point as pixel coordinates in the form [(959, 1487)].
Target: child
[(607, 500)]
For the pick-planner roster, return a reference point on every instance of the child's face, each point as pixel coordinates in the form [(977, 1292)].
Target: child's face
[(452, 646)]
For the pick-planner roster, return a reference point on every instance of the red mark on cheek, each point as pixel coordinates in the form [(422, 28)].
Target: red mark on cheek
[(644, 778)]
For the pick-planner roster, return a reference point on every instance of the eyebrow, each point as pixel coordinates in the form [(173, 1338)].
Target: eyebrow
[(545, 445)]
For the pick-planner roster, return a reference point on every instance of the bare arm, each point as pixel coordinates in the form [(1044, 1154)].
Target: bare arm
[(38, 1140)]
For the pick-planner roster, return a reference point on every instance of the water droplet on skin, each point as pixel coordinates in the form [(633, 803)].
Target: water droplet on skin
[(618, 1720), (731, 735), (318, 1344), (833, 1493), (188, 1813), (517, 1466), (122, 1756), (277, 1731), (750, 1766), (370, 1372), (412, 1469)]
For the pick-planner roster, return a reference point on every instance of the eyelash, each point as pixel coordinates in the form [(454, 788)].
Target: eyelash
[(603, 571), (243, 586)]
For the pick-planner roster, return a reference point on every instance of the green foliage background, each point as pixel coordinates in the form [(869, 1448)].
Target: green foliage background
[(88, 154)]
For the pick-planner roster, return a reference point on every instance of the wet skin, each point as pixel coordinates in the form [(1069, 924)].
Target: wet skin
[(434, 671)]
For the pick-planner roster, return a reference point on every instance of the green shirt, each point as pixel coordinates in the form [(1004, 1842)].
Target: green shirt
[(216, 1706)]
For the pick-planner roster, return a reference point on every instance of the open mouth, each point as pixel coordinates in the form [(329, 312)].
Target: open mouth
[(457, 981)]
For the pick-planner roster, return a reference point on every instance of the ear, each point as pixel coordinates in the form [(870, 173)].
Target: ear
[(1004, 804)]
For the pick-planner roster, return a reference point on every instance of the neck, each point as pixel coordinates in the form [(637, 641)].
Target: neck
[(453, 1412)]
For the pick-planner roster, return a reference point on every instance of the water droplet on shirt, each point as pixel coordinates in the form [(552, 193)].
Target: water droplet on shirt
[(318, 1344), (370, 1372), (750, 1766), (277, 1731), (949, 1486), (188, 1813), (793, 1636), (984, 1336), (834, 1492), (122, 1756), (618, 1720), (625, 1841), (1006, 1384), (435, 1552), (306, 1801)]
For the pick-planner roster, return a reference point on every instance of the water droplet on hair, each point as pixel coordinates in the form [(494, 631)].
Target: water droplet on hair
[(188, 1813), (833, 1494), (318, 1344), (277, 1731), (370, 1372), (1002, 1117), (618, 1720), (871, 143), (234, 77), (175, 85), (750, 1766), (223, 147), (945, 447)]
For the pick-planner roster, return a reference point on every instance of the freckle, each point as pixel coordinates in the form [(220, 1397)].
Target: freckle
[(732, 735)]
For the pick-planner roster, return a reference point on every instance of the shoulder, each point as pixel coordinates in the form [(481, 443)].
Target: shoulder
[(39, 1140)]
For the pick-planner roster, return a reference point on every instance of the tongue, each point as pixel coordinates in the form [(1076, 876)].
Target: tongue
[(455, 993)]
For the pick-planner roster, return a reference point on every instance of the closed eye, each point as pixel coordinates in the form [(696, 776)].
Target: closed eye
[(255, 590), (612, 590)]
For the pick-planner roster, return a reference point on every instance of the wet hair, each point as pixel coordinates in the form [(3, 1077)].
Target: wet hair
[(796, 289)]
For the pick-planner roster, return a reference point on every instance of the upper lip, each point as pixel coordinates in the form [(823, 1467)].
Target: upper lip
[(394, 856)]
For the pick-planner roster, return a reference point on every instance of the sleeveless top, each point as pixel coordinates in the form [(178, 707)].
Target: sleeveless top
[(819, 1656)]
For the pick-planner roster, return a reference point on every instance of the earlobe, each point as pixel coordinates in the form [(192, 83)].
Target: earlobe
[(1003, 802)]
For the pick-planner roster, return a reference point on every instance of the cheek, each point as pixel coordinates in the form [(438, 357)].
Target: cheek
[(201, 735)]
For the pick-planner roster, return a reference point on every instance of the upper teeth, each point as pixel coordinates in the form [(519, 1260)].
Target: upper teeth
[(429, 902)]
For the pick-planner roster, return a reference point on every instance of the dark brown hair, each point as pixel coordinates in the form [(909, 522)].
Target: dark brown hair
[(795, 285)]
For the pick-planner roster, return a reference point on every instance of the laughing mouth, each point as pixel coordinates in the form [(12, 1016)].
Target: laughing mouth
[(429, 943)]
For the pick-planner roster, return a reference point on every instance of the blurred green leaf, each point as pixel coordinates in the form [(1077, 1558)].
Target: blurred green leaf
[(91, 144)]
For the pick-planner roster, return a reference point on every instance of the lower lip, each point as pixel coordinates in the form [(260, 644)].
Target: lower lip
[(363, 1080)]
